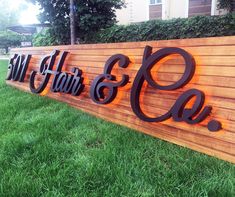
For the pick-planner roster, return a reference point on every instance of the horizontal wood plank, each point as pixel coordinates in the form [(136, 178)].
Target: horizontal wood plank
[(214, 75)]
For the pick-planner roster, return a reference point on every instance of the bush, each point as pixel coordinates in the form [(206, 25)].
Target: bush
[(9, 39), (194, 27), (226, 4), (45, 38)]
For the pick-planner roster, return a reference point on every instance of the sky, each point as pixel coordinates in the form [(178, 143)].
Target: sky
[(29, 15)]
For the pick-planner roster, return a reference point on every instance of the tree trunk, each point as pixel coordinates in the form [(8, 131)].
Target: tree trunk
[(72, 23), (6, 50)]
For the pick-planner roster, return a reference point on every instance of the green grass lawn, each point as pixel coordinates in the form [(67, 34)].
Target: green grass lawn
[(50, 149)]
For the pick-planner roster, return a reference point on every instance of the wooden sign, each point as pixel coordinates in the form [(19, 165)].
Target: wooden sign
[(181, 91)]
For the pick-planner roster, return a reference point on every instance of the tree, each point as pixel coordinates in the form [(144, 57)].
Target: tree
[(9, 17), (90, 16), (9, 39), (226, 4), (72, 23), (44, 38)]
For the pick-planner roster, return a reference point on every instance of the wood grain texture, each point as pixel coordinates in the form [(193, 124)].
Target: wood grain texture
[(215, 75)]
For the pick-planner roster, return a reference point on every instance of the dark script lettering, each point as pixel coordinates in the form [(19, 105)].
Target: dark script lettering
[(99, 84), (62, 81), (178, 112), (105, 86), (17, 67)]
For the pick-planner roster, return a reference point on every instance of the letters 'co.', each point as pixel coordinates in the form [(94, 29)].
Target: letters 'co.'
[(178, 111), (72, 83)]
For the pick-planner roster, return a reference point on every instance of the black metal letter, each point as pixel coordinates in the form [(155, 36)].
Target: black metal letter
[(62, 81), (179, 112), (149, 60), (17, 67), (98, 85), (45, 71)]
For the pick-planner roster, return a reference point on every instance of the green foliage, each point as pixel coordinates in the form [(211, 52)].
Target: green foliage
[(91, 16), (45, 38), (195, 27), (226, 4), (9, 17), (10, 39), (50, 149)]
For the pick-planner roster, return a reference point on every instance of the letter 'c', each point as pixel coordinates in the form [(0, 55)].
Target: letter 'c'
[(144, 73)]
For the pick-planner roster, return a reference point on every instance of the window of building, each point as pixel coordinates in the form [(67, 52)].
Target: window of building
[(199, 7), (155, 2)]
